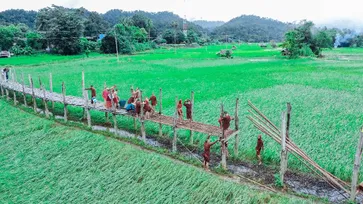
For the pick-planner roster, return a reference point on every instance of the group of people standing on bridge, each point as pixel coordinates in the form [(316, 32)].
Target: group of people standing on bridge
[(134, 106)]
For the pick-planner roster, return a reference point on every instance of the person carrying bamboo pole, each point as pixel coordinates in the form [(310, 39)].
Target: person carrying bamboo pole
[(206, 153), (93, 94), (259, 147)]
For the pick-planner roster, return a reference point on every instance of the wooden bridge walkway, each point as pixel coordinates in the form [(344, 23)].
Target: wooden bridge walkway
[(83, 102)]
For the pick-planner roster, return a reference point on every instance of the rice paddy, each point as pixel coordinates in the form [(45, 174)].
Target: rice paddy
[(325, 94)]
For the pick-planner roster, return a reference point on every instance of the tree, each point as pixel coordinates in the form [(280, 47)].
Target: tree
[(35, 40), (16, 16), (62, 27), (8, 35), (301, 41), (95, 25)]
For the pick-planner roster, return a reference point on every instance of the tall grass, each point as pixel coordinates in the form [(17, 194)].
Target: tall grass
[(44, 162)]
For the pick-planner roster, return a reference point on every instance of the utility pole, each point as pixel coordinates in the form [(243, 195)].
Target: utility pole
[(116, 46)]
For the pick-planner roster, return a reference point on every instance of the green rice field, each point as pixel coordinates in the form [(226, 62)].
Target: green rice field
[(44, 162), (326, 96)]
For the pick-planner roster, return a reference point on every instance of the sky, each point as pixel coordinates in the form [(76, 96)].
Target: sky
[(319, 11)]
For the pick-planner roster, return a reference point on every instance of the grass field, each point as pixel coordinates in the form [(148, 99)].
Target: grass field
[(326, 94), (44, 162)]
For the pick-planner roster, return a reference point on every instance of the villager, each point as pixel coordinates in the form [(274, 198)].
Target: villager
[(105, 94), (93, 94), (225, 121), (108, 99), (5, 73), (147, 108), (188, 107), (153, 103), (115, 98), (137, 107), (206, 153), (130, 107), (259, 147), (180, 110)]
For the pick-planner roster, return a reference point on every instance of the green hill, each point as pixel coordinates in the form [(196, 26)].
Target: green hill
[(250, 28)]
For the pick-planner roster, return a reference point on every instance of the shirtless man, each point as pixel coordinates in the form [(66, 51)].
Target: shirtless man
[(180, 110), (93, 93), (259, 147), (153, 103), (138, 107), (206, 153)]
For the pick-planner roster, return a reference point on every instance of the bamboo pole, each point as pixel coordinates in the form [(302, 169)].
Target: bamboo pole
[(142, 129), (42, 88), (33, 93), (23, 87), (236, 124), (332, 180), (86, 105), (51, 87), (223, 144), (174, 148), (64, 102), (283, 156), (160, 112), (357, 161), (192, 110), (46, 110), (113, 112), (7, 94), (288, 119), (1, 85), (14, 95)]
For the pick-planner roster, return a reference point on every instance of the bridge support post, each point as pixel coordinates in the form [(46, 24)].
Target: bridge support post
[(86, 105), (236, 124), (64, 102), (160, 112), (283, 156), (14, 95), (23, 87), (2, 88), (33, 94), (191, 132), (51, 87), (142, 129), (223, 145), (357, 161), (45, 102), (174, 148)]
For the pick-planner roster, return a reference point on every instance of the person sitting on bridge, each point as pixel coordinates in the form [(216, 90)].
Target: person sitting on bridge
[(206, 153), (93, 94), (188, 107), (180, 110), (130, 107), (137, 107), (259, 147), (153, 103), (147, 108), (225, 121)]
